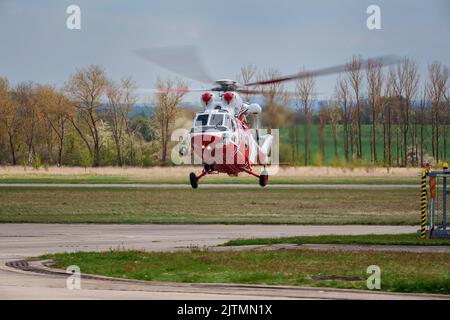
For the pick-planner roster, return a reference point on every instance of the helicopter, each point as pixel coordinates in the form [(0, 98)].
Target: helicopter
[(221, 136)]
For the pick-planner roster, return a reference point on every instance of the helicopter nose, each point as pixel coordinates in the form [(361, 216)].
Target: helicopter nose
[(205, 142), (209, 141)]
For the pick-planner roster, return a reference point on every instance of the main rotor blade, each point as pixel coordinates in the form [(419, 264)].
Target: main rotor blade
[(181, 90), (383, 60), (176, 90), (183, 60), (261, 92)]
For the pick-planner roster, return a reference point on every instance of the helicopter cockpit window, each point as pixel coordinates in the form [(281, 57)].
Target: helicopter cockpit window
[(216, 120), (202, 120)]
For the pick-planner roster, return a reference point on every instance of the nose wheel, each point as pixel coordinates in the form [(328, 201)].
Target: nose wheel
[(263, 178)]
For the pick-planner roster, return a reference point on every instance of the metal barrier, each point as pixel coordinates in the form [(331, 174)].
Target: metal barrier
[(433, 213)]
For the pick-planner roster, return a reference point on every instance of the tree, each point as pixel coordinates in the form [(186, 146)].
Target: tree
[(55, 108), (446, 119), (305, 89), (334, 116), (128, 88), (342, 95), (25, 98), (85, 88), (10, 118), (120, 101), (405, 86), (248, 72), (422, 119), (436, 91), (276, 112), (323, 119), (374, 78), (168, 97), (387, 102), (355, 80)]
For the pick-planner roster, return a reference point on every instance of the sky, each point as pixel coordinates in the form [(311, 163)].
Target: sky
[(288, 35)]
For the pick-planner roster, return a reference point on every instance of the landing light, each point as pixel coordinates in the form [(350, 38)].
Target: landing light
[(206, 97), (228, 96)]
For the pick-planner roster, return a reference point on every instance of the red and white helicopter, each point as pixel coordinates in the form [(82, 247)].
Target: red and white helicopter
[(220, 136)]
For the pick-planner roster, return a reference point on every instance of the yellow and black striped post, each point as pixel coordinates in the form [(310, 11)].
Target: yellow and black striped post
[(423, 212)]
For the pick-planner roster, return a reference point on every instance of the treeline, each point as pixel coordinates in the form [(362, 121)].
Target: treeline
[(86, 123), (409, 116)]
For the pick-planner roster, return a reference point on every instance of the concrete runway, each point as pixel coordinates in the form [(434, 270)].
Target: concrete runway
[(19, 241)]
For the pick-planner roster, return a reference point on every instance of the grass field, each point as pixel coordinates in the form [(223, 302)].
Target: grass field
[(400, 272), (369, 239), (329, 146), (240, 205), (175, 175)]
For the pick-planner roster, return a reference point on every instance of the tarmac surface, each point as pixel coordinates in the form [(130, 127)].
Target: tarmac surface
[(20, 241)]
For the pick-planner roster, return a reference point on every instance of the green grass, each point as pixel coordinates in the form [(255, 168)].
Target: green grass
[(285, 140), (228, 205), (369, 239), (208, 180), (400, 272)]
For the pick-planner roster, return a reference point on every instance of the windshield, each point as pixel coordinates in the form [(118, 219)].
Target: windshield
[(216, 120), (202, 120)]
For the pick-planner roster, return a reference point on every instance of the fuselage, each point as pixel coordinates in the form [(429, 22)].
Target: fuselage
[(220, 135)]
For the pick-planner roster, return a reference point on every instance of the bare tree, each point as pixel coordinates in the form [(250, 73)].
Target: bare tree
[(405, 87), (275, 112), (334, 116), (446, 119), (422, 116), (129, 100), (121, 99), (85, 89), (323, 120), (305, 90), (24, 95), (342, 95), (10, 118), (387, 105), (436, 91), (55, 108), (247, 74), (374, 76), (355, 78), (114, 117), (167, 109)]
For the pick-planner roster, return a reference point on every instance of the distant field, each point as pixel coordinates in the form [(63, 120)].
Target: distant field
[(285, 140), (176, 175), (398, 206), (400, 272)]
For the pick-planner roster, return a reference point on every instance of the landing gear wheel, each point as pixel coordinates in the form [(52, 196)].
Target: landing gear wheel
[(263, 178), (194, 180)]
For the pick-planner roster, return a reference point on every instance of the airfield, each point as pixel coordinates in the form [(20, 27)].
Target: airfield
[(20, 241), (50, 212)]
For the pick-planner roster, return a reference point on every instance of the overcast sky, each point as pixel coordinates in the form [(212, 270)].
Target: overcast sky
[(285, 34)]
